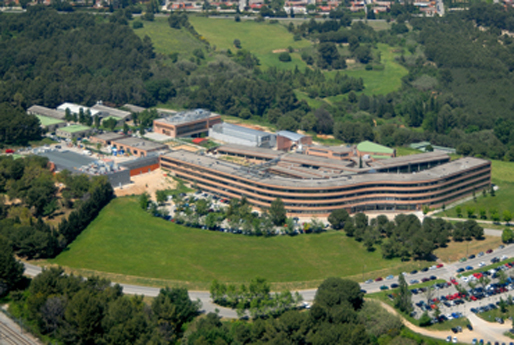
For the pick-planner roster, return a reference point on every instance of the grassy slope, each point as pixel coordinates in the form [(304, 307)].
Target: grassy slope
[(259, 38), (124, 239), (167, 40)]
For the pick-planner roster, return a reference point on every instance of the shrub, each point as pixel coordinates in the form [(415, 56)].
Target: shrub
[(284, 57), (137, 24)]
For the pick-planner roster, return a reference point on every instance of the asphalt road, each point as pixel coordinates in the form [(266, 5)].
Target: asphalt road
[(446, 272)]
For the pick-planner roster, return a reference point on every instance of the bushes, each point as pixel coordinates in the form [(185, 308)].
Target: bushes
[(284, 57)]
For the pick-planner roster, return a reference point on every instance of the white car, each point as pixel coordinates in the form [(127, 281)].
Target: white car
[(504, 257), (482, 264), (454, 340)]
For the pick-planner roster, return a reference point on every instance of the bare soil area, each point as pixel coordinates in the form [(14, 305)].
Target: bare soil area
[(150, 183)]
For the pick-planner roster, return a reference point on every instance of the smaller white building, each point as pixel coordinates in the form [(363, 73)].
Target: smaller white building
[(75, 108)]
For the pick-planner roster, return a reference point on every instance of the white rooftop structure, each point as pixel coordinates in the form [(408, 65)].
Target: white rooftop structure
[(75, 108)]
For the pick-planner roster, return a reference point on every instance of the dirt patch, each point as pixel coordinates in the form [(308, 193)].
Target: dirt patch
[(350, 61), (324, 136), (186, 148), (150, 183), (276, 51)]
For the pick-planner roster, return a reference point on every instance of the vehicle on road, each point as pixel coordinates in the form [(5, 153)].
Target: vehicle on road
[(389, 277), (424, 269), (394, 286), (414, 272), (460, 270), (414, 281), (440, 265), (384, 287), (472, 256), (482, 264), (489, 251), (369, 281), (469, 268), (379, 279), (480, 254), (455, 340)]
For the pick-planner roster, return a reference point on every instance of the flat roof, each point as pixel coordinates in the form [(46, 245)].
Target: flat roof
[(38, 109), (75, 108), (410, 159), (113, 112), (47, 121), (140, 162), (187, 116), (225, 126), (251, 151), (290, 135), (368, 146), (340, 149), (109, 136), (299, 158), (134, 108), (66, 159), (339, 180), (140, 143), (75, 128)]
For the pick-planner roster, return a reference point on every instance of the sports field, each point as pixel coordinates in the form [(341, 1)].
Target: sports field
[(124, 239)]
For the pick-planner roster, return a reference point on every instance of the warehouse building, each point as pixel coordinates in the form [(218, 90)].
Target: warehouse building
[(315, 186), (186, 123), (287, 140), (107, 112), (75, 109), (74, 131), (137, 147), (106, 138), (233, 134), (133, 108), (43, 111), (142, 165)]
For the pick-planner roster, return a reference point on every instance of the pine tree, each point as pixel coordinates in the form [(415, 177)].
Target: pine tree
[(403, 299)]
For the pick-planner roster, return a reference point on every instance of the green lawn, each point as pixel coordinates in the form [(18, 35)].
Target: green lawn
[(126, 240), (503, 177), (167, 40), (259, 38)]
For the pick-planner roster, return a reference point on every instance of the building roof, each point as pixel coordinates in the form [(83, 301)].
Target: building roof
[(410, 159), (66, 159), (75, 128), (245, 132), (141, 144), (334, 182), (121, 114), (107, 136), (40, 110), (184, 117), (298, 158), (368, 146), (290, 135), (420, 145), (134, 108), (250, 151), (75, 108), (47, 121), (140, 162), (336, 149)]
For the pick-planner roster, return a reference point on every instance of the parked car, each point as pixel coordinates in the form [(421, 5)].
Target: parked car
[(472, 256), (389, 277), (369, 281), (480, 254), (379, 279), (489, 251), (469, 268)]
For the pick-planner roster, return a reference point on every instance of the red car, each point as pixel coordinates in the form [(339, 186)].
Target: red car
[(477, 275), (473, 298), (454, 282), (489, 251), (9, 151), (379, 279), (440, 265)]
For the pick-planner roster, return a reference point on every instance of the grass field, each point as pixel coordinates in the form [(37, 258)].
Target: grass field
[(503, 177), (259, 38), (167, 40), (126, 240)]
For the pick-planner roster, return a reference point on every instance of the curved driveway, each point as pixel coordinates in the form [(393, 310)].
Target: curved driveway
[(446, 272)]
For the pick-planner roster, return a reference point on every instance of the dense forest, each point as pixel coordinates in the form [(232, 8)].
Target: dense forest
[(456, 92), (29, 193)]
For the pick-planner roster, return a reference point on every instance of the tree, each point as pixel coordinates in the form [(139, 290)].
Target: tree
[(144, 199), (11, 270), (277, 212), (110, 123), (161, 197), (470, 211), (338, 292), (507, 235), (338, 218), (458, 210), (403, 299), (284, 57), (507, 216)]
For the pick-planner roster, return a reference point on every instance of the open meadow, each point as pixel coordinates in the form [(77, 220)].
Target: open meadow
[(126, 240)]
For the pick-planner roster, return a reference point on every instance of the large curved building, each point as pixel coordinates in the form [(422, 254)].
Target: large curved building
[(315, 186)]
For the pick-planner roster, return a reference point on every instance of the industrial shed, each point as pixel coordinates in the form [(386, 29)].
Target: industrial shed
[(239, 135)]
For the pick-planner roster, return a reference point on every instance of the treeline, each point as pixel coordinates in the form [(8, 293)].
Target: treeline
[(254, 298), (338, 315), (74, 310), (406, 237), (17, 127), (29, 181)]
